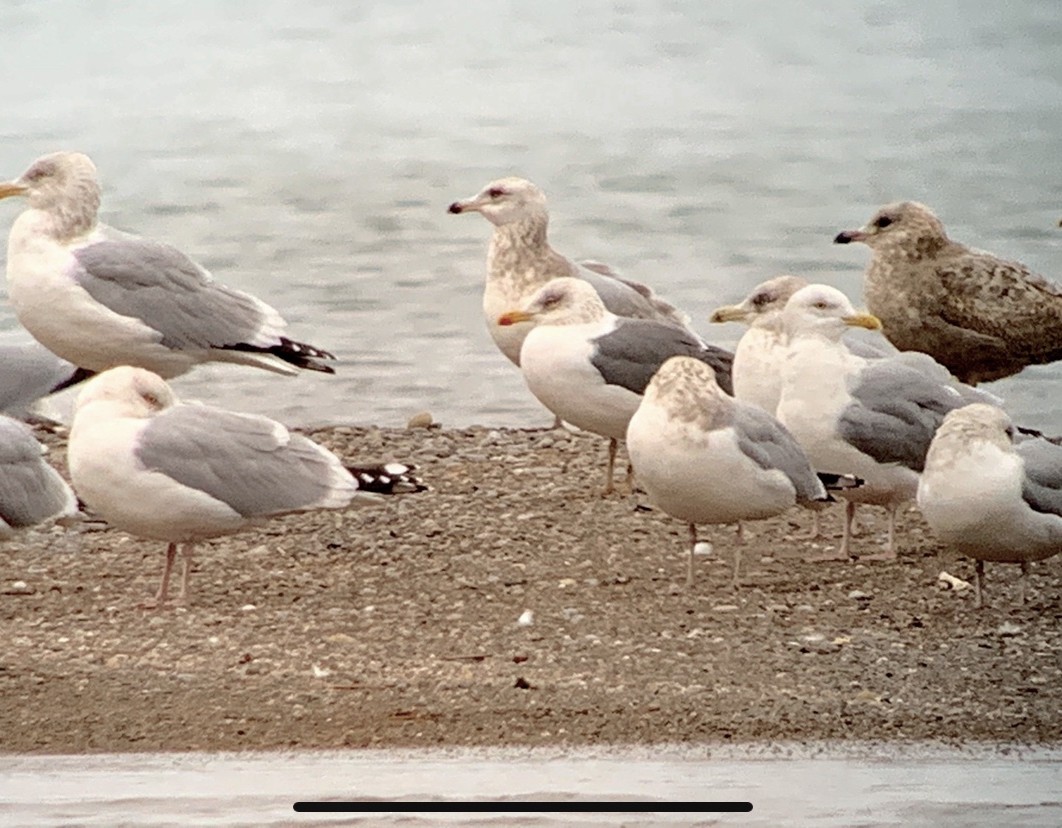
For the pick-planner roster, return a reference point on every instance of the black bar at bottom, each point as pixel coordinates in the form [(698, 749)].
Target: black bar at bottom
[(478, 807)]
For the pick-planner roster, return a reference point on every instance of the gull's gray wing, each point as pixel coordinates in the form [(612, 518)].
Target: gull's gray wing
[(626, 297), (895, 411), (29, 371), (251, 463), (770, 445), (31, 491), (632, 352), (1042, 485), (171, 294)]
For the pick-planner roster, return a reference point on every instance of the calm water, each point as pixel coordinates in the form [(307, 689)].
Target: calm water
[(852, 786), (307, 151)]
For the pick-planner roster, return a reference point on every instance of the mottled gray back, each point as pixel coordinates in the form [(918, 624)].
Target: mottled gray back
[(895, 411), (30, 490), (237, 459), (770, 445), (169, 292), (635, 349), (1042, 485)]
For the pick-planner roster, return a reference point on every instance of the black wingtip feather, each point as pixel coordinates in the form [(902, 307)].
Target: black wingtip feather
[(838, 482), (294, 353), (388, 478)]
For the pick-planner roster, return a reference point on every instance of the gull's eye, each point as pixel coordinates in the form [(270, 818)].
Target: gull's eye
[(761, 299), (882, 222), (551, 300), (495, 192)]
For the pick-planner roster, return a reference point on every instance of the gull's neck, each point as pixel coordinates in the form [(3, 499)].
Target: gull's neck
[(520, 255)]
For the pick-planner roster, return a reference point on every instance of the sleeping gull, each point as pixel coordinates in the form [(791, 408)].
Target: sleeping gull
[(520, 260), (704, 457), (589, 366), (98, 297), (31, 491), (989, 497), (182, 473), (873, 418), (982, 317)]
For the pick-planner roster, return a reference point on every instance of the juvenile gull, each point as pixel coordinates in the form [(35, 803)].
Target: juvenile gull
[(182, 473), (591, 367), (982, 317), (873, 418), (98, 297), (31, 491), (520, 260), (704, 457), (989, 497)]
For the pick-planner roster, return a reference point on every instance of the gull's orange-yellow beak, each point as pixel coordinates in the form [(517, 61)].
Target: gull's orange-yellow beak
[(863, 320), (11, 188), (514, 316)]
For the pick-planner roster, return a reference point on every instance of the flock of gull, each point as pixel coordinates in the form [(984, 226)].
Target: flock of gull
[(818, 400)]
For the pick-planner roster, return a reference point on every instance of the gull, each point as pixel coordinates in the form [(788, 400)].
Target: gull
[(31, 491), (29, 372), (591, 367), (704, 457), (873, 417), (982, 317), (520, 261), (989, 497), (182, 473), (98, 297)]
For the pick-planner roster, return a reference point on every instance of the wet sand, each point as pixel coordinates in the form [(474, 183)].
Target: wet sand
[(397, 625)]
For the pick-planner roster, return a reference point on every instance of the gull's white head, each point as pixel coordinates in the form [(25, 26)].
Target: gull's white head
[(977, 421), (907, 226), (766, 300), (562, 301), (58, 181), (133, 392), (823, 310), (505, 201)]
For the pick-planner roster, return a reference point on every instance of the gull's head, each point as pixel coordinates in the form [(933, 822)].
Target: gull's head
[(823, 310), (688, 389), (61, 181), (766, 299), (905, 225), (977, 422), (129, 391), (505, 201), (563, 301)]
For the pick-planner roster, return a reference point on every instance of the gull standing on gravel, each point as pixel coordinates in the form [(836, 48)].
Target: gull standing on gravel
[(873, 418), (982, 317), (99, 298), (182, 473), (989, 497), (704, 457), (520, 261), (591, 367), (31, 491)]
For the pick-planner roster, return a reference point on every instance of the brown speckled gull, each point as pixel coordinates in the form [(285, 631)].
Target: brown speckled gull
[(982, 317)]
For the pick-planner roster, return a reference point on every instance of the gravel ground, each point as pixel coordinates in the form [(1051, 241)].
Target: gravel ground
[(397, 625)]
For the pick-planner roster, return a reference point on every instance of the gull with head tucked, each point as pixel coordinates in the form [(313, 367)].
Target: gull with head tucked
[(99, 298), (591, 367), (982, 317), (704, 457), (182, 473), (990, 497)]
